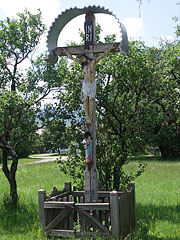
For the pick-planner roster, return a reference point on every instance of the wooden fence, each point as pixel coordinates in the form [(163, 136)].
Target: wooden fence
[(65, 214)]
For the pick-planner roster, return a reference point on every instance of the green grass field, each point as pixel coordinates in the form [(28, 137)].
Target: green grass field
[(157, 200)]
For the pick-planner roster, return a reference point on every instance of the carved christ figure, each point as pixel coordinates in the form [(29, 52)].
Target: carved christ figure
[(89, 83)]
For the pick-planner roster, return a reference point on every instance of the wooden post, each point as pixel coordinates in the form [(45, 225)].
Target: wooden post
[(91, 182), (131, 187), (41, 199), (114, 207), (67, 186)]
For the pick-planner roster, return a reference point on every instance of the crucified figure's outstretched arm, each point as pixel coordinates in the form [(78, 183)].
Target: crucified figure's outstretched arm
[(71, 57), (113, 46)]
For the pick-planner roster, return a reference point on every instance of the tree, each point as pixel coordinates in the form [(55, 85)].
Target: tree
[(161, 121), (17, 124), (122, 82), (55, 137), (18, 39)]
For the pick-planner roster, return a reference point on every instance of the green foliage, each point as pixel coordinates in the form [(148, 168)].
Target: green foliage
[(137, 105), (160, 123), (18, 106), (75, 164), (17, 119), (18, 39)]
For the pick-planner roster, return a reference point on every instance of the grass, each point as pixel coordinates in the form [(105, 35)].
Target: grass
[(23, 224), (157, 200)]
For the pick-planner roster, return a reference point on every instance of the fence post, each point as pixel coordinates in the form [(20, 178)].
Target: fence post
[(131, 187), (41, 198), (67, 186), (114, 208)]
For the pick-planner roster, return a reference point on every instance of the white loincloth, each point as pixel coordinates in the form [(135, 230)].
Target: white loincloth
[(89, 89)]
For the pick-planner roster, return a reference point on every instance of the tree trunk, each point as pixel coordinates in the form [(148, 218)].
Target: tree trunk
[(59, 151), (13, 191), (120, 161), (11, 175), (166, 152), (116, 180)]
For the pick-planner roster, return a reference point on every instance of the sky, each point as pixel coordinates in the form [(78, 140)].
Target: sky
[(152, 25)]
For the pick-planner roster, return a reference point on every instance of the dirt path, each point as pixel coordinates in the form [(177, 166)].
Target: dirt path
[(44, 158)]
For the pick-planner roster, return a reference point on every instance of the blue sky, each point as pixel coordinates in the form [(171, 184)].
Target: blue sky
[(154, 24)]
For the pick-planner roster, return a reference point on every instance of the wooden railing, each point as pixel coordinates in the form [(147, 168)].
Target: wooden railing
[(65, 213)]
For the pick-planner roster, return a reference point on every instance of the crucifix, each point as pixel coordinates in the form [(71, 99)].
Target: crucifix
[(88, 62), (87, 59)]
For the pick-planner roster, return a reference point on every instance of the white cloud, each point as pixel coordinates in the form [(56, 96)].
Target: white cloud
[(49, 10), (134, 27)]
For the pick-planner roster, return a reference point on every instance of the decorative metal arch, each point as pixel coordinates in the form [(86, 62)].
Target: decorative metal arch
[(67, 16)]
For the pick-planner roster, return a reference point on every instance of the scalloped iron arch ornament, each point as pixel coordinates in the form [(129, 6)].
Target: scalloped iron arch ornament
[(67, 16)]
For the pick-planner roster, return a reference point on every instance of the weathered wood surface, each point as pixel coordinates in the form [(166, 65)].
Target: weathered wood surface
[(113, 214), (78, 50), (91, 206), (61, 233), (58, 204), (58, 219), (73, 233), (114, 205), (41, 199), (92, 220)]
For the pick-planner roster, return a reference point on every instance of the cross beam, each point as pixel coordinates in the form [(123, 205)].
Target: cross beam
[(77, 50)]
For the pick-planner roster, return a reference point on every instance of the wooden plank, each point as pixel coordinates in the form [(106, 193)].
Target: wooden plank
[(106, 215), (81, 217), (97, 235), (57, 204), (41, 199), (131, 186), (78, 194), (72, 233), (87, 185), (114, 205), (105, 194), (77, 50), (126, 221), (58, 219), (93, 221), (67, 186), (61, 233), (65, 222), (130, 210), (123, 214), (75, 201), (61, 195), (92, 206), (100, 213), (70, 215), (101, 194)]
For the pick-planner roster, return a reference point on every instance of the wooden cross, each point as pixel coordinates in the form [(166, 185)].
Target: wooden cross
[(89, 50)]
